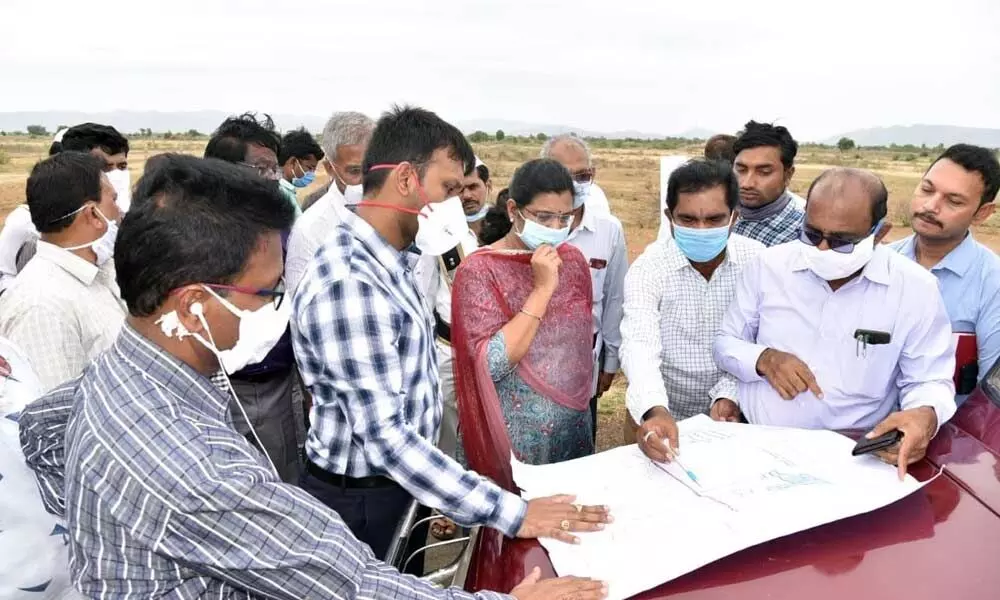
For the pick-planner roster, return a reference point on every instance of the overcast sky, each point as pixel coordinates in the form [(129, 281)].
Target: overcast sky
[(650, 65)]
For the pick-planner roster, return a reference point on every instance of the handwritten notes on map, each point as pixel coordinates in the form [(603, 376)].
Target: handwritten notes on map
[(754, 484)]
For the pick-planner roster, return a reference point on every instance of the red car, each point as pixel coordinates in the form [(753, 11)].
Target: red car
[(942, 542)]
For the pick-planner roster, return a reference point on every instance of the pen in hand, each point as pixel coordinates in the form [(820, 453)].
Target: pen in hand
[(676, 459)]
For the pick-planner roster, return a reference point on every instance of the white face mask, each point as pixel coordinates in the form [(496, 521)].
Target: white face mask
[(581, 191), (831, 266), (259, 331), (353, 194), (121, 181), (442, 226), (104, 246)]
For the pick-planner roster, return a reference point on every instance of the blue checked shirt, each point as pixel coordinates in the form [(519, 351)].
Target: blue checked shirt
[(163, 498), (364, 344), (779, 229)]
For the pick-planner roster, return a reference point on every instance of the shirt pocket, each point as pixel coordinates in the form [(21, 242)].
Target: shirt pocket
[(867, 371)]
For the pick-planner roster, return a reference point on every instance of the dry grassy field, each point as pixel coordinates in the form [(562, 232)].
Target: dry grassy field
[(629, 176)]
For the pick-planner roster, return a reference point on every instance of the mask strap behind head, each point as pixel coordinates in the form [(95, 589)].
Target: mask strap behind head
[(403, 209)]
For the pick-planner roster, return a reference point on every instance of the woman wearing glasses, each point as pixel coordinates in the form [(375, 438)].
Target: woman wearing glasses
[(522, 331)]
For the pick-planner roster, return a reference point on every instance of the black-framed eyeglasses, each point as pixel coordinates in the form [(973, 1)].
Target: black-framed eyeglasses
[(814, 237), (277, 294), (585, 176)]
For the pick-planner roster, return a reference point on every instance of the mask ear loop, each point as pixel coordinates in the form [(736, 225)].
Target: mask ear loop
[(229, 384)]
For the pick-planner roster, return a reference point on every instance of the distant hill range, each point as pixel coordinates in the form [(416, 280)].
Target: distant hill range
[(206, 121), (917, 135)]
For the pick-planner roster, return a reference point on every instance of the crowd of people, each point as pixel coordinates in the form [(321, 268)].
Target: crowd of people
[(246, 387)]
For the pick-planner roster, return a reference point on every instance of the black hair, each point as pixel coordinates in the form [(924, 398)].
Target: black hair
[(496, 223), (299, 144), (538, 176), (701, 174), (192, 220), (483, 172), (60, 185), (409, 134), (979, 160), (87, 136), (756, 135), (55, 148), (720, 147), (229, 142), (871, 183)]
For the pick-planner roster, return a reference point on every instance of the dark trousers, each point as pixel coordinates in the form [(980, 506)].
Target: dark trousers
[(593, 418), (268, 402), (593, 401), (372, 514)]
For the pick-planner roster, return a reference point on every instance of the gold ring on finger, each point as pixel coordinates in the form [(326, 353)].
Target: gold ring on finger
[(564, 525)]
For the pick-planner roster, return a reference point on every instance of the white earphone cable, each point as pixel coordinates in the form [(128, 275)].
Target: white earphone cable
[(239, 403)]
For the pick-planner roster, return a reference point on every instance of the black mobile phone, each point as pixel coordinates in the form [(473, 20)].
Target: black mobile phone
[(865, 445)]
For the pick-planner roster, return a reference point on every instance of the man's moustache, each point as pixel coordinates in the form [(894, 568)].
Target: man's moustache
[(928, 218)]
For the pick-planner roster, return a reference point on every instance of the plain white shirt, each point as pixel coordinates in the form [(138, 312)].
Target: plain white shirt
[(602, 241), (780, 303), (309, 233), (17, 230), (62, 311), (672, 314)]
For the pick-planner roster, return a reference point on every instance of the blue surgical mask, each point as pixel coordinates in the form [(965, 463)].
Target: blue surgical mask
[(701, 245), (305, 180), (581, 191), (479, 216), (535, 234)]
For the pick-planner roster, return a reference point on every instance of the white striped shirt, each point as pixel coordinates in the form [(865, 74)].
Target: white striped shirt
[(164, 498)]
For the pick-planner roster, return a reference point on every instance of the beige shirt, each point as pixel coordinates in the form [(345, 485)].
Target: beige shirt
[(62, 311)]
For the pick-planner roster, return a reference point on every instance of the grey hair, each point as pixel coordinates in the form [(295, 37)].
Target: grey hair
[(346, 129), (569, 138)]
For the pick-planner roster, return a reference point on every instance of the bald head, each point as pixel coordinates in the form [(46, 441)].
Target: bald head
[(853, 195), (571, 152)]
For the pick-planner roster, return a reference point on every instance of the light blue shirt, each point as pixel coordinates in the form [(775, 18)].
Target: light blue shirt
[(780, 303), (969, 280)]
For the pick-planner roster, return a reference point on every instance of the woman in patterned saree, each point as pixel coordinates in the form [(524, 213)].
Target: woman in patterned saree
[(522, 331)]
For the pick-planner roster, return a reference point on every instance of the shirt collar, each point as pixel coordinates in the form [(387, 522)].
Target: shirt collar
[(675, 259), (960, 259), (589, 220), (877, 269), (393, 260), (156, 364), (80, 268)]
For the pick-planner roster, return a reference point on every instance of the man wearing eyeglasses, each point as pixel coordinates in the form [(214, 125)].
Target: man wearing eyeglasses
[(268, 389), (835, 331), (599, 236), (344, 141)]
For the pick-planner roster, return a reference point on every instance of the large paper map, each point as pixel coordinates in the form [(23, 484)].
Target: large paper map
[(754, 484)]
